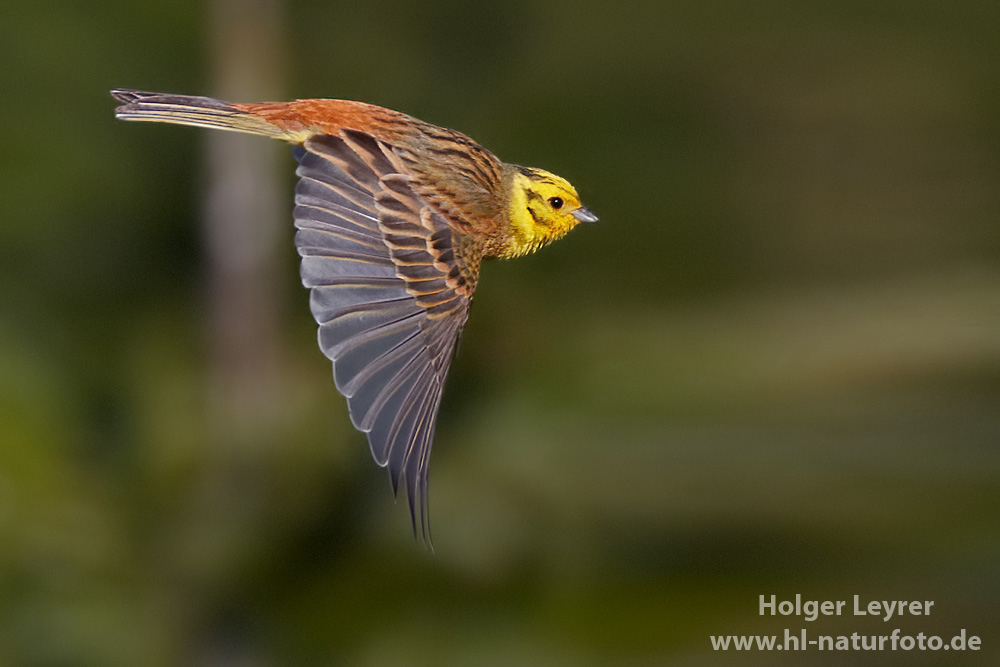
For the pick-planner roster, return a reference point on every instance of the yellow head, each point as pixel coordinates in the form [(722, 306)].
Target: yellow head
[(542, 207)]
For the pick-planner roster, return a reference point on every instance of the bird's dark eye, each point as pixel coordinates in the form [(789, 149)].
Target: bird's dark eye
[(556, 202)]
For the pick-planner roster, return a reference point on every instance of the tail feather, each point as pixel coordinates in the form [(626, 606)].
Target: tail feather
[(191, 110)]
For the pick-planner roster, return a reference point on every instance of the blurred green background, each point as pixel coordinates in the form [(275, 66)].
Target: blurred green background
[(772, 368)]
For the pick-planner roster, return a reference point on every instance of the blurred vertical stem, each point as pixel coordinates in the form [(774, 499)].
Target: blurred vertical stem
[(243, 217)]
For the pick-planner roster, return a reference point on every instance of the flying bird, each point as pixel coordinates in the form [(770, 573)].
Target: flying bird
[(393, 217)]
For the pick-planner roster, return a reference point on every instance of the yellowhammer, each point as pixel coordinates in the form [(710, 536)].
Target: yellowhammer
[(394, 216)]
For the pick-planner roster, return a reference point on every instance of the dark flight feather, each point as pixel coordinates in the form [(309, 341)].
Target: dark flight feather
[(388, 298)]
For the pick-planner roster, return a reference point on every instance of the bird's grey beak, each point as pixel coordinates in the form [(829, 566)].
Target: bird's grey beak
[(583, 214)]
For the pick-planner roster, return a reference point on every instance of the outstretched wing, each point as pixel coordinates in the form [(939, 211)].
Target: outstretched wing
[(388, 294)]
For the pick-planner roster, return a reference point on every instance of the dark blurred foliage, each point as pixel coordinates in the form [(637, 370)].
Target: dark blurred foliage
[(772, 367)]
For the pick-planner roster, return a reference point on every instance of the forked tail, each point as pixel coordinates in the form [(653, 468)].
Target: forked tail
[(191, 110)]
